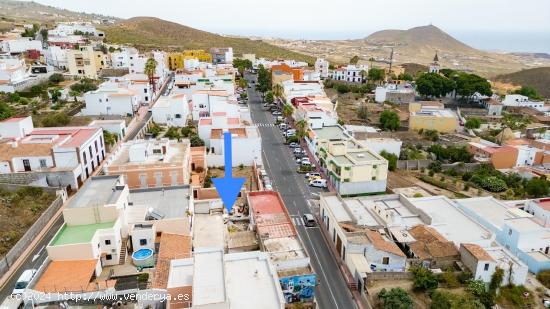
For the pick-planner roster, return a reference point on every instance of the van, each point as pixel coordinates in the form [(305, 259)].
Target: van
[(23, 281), (309, 220), (319, 183)]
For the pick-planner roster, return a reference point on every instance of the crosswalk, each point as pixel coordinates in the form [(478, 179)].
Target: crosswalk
[(264, 124), (297, 221)]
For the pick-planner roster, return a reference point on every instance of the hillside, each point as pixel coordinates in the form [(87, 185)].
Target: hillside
[(29, 12), (424, 38), (414, 68), (417, 45), (538, 78), (149, 32)]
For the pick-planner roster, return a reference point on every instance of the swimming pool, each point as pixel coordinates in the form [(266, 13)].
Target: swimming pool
[(143, 257)]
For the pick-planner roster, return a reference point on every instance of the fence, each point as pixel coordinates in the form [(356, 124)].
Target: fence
[(387, 275), (413, 164), (31, 234)]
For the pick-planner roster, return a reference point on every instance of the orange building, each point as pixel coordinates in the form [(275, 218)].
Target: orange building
[(284, 69), (153, 163), (498, 156)]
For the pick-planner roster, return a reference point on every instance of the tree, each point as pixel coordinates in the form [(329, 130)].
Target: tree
[(109, 138), (83, 86), (173, 133), (243, 83), (493, 184), (392, 159), (278, 90), (56, 78), (196, 141), (389, 120), (44, 34), (150, 69), (187, 131), (433, 85), (264, 79), (405, 76), (537, 187), (467, 84), (544, 277), (423, 279), (342, 88), (396, 298), (287, 110), (496, 281), (473, 123), (269, 97), (530, 92), (354, 60), (376, 75), (301, 126), (431, 135), (5, 111), (55, 94), (74, 94)]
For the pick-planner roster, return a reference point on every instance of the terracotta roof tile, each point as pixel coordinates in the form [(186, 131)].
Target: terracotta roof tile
[(71, 276), (380, 243), (172, 246), (479, 253)]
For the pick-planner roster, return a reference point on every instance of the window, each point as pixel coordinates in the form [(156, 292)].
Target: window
[(108, 257), (90, 150), (107, 242), (85, 160), (43, 163), (145, 90), (95, 142), (509, 231), (486, 267), (385, 260), (178, 116), (373, 177), (143, 242)]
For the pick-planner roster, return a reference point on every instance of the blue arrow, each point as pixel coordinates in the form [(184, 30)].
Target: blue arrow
[(228, 187)]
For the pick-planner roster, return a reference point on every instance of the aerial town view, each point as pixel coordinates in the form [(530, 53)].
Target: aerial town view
[(291, 155)]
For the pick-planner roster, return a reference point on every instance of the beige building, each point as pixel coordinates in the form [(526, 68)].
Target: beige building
[(433, 117), (86, 61), (152, 163)]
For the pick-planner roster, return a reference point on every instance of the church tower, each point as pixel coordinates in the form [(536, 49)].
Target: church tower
[(434, 66)]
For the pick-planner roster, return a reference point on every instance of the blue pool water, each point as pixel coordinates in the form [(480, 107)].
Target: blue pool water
[(142, 254)]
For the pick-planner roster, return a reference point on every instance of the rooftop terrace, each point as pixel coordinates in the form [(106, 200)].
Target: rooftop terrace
[(77, 234), (97, 191)]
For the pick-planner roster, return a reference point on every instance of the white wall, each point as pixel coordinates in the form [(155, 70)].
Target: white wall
[(16, 129)]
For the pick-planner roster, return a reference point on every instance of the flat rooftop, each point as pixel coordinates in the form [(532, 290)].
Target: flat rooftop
[(434, 113), (77, 234), (175, 153), (363, 156), (494, 211), (450, 222), (270, 215), (171, 202), (97, 191), (208, 231), (208, 278), (284, 249), (331, 133)]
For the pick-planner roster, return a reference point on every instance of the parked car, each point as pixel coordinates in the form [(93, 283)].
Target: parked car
[(293, 145), (297, 150), (283, 126), (309, 220), (303, 161), (23, 281), (311, 178), (289, 134), (319, 183), (279, 118), (263, 173), (268, 187), (276, 113), (310, 174)]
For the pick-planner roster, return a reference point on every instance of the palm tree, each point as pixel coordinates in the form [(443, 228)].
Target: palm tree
[(287, 110), (301, 125), (278, 90), (150, 69)]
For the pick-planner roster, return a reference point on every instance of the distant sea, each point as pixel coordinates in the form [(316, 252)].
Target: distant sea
[(534, 42)]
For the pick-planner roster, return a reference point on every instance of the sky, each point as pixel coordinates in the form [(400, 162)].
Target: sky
[(487, 24)]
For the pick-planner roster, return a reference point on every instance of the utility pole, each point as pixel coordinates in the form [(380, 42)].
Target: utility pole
[(391, 61)]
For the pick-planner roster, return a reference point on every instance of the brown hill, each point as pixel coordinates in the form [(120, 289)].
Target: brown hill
[(424, 37), (150, 32), (414, 68), (538, 78)]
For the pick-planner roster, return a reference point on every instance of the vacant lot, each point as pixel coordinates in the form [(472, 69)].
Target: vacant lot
[(238, 172), (18, 211)]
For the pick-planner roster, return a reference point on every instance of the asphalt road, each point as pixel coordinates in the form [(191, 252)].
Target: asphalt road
[(332, 291)]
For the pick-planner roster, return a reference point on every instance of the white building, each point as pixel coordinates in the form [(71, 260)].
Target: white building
[(394, 93), (78, 150), (56, 57), (294, 89), (137, 64), (116, 127), (13, 72), (172, 110), (321, 67), (350, 73), (483, 263), (207, 102), (20, 45), (519, 100), (230, 281), (111, 99), (66, 29), (246, 140), (120, 59), (316, 117)]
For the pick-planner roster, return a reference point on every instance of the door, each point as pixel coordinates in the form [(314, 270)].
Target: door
[(338, 245), (27, 165)]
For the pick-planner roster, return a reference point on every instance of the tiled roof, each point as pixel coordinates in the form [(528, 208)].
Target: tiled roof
[(430, 244), (479, 253), (172, 246), (8, 152), (71, 276), (382, 244)]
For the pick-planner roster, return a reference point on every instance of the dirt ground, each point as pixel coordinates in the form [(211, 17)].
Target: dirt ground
[(245, 172)]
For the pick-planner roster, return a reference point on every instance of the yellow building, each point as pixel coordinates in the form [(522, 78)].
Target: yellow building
[(441, 120), (176, 59), (351, 168), (86, 61)]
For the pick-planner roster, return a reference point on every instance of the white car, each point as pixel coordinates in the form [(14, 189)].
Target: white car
[(276, 113), (293, 145), (268, 187), (319, 183), (312, 174), (23, 281)]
